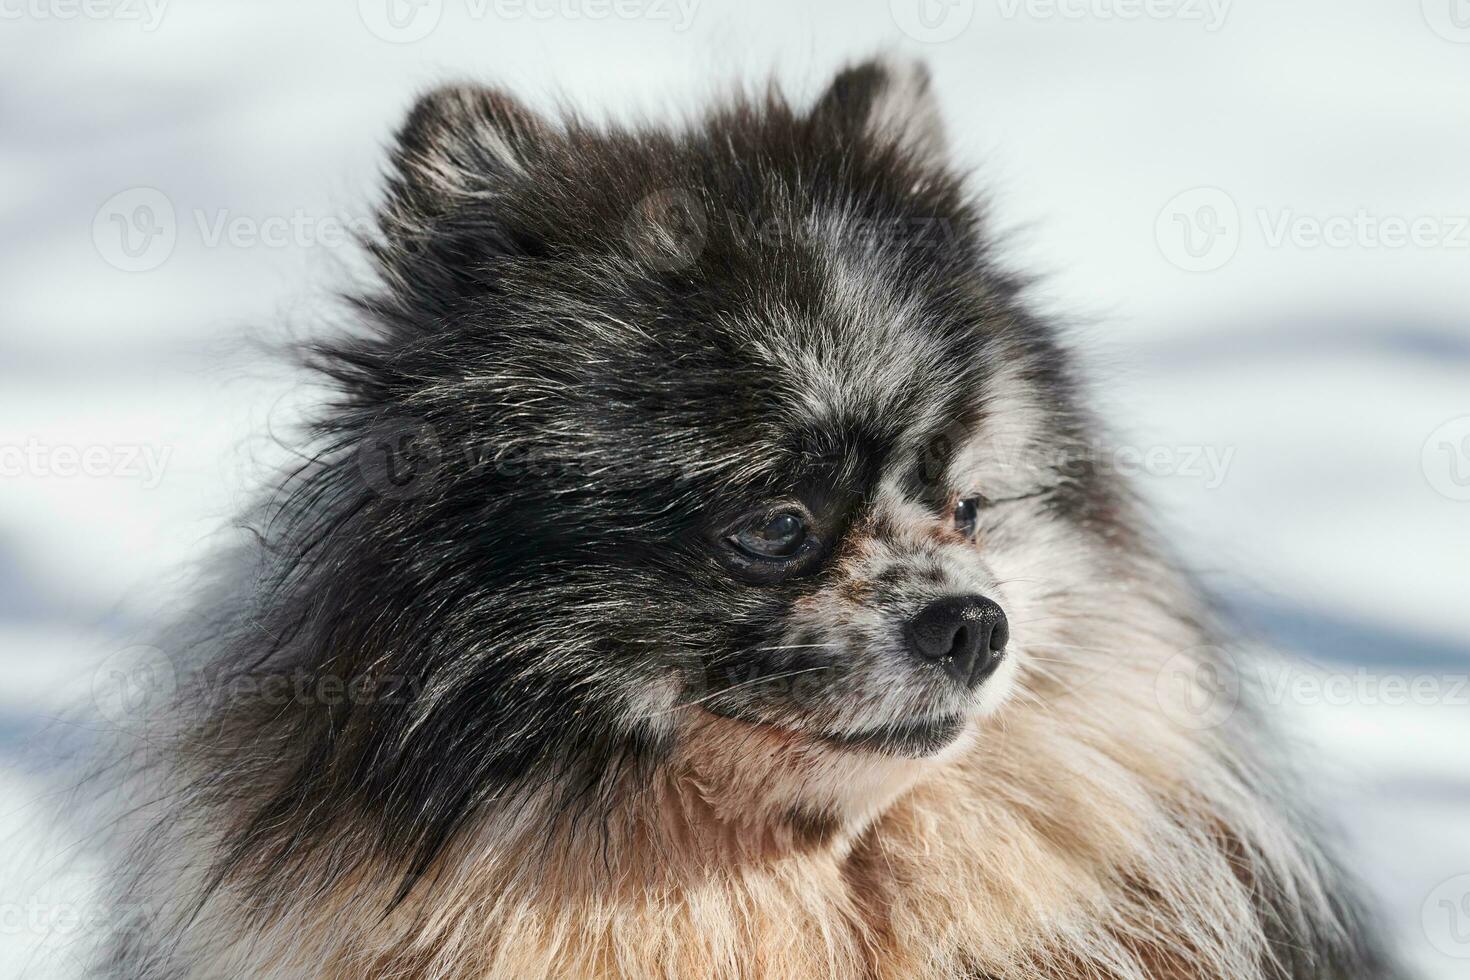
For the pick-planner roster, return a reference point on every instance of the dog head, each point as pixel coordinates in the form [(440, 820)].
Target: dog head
[(727, 448)]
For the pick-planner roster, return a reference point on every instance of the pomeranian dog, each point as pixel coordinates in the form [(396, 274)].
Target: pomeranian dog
[(702, 572)]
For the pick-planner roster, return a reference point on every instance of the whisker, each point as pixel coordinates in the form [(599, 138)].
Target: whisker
[(796, 646), (1078, 647), (735, 687)]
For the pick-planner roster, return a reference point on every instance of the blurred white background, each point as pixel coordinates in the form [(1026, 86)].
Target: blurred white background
[(1257, 212)]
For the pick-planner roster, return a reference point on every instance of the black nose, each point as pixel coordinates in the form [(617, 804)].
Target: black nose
[(964, 634)]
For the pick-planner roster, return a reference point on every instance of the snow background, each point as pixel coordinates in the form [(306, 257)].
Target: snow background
[(1322, 371)]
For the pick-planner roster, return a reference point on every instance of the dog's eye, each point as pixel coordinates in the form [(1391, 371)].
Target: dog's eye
[(967, 515), (780, 536)]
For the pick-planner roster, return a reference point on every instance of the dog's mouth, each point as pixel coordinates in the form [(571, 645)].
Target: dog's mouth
[(910, 739), (906, 739)]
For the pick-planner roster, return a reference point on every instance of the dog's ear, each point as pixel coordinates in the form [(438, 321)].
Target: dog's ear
[(451, 212), (460, 143), (889, 101), (464, 140)]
